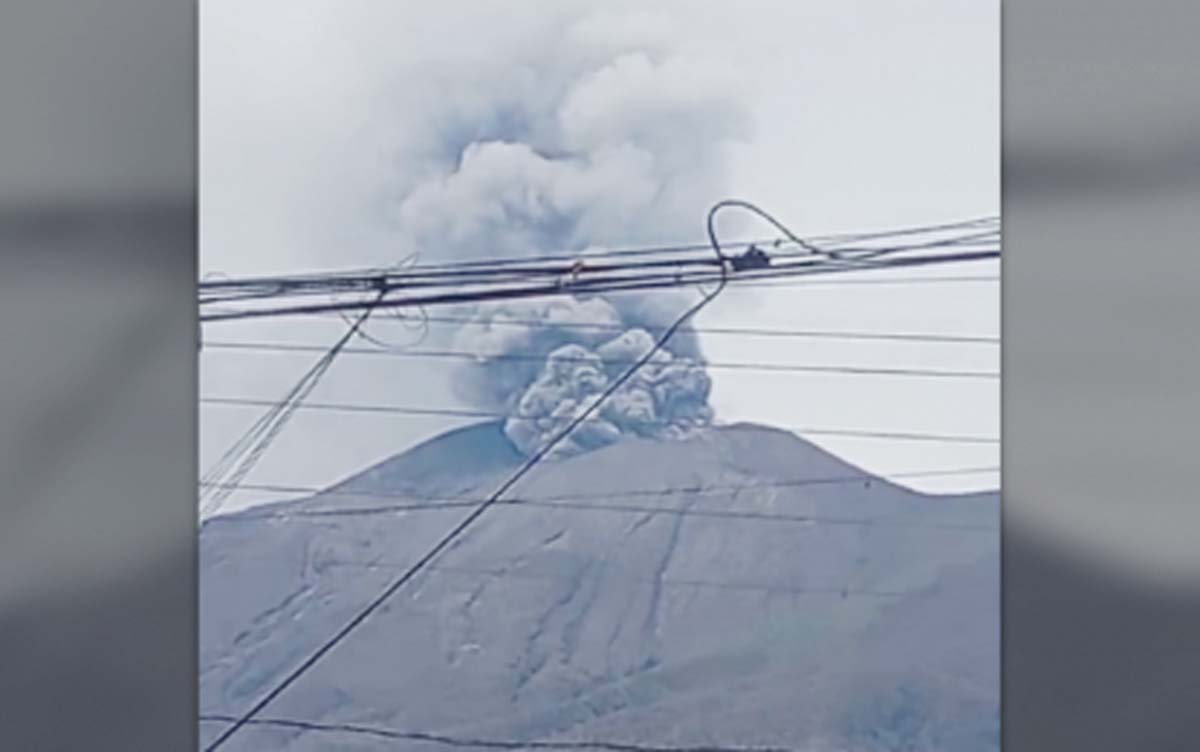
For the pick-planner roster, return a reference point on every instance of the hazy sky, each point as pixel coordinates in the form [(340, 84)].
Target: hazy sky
[(318, 119)]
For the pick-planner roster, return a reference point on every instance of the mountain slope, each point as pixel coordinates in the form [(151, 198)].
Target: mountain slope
[(739, 587)]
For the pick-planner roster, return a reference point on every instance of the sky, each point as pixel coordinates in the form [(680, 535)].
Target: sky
[(338, 135)]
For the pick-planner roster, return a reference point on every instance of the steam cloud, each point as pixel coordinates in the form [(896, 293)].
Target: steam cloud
[(593, 132)]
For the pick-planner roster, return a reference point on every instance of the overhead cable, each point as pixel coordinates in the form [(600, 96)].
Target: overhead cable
[(381, 732), (583, 501), (363, 614), (244, 454), (458, 293), (465, 413), (532, 358)]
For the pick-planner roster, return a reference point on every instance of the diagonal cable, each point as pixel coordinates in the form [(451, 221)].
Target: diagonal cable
[(381, 732), (245, 453), (475, 514)]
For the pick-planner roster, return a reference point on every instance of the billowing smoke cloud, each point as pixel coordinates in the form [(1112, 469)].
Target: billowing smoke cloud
[(628, 152), (564, 135), (545, 376)]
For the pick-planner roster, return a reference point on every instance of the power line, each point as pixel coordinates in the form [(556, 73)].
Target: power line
[(579, 501), (488, 271), (590, 507), (529, 357), (243, 455), (455, 295), (381, 732), (742, 284), (833, 241), (844, 592), (493, 287), (668, 491), (512, 268), (455, 413), (504, 487), (873, 281), (502, 320), (665, 269)]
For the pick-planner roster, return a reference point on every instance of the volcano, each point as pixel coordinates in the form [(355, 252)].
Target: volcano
[(741, 587)]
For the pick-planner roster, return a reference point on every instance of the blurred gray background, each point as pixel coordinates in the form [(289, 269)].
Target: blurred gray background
[(97, 445), (97, 266), (1101, 567)]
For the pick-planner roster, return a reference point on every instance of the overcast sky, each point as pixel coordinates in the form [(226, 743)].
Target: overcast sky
[(320, 122)]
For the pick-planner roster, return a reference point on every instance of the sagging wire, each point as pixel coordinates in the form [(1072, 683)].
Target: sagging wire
[(244, 454), (397, 314)]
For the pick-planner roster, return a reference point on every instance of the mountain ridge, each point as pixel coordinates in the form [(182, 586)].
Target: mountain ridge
[(569, 619)]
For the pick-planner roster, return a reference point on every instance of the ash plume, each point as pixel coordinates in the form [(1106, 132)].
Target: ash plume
[(597, 130), (543, 375)]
